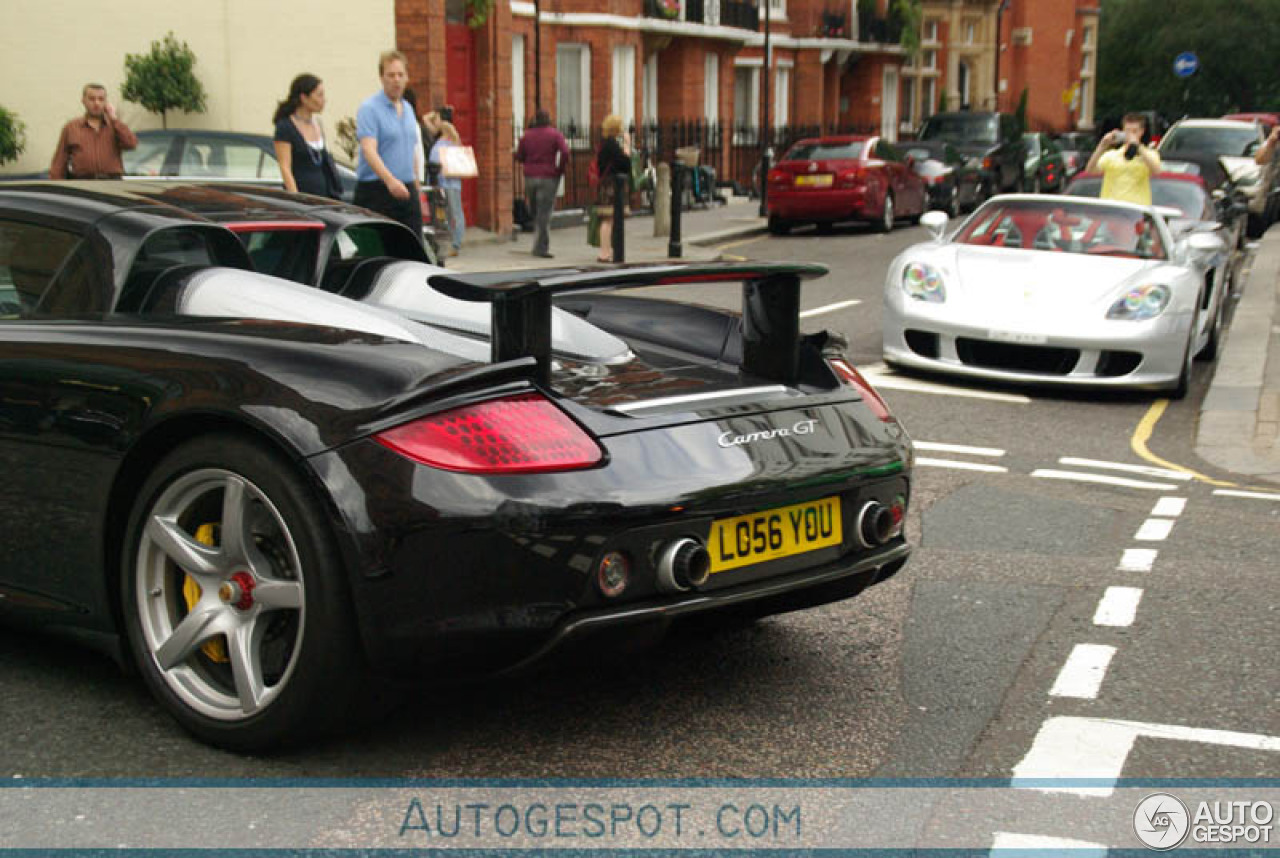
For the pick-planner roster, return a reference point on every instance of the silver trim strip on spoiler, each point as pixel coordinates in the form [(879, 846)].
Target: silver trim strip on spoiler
[(719, 397)]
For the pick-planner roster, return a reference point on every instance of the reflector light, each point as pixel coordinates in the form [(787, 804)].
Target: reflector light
[(850, 376), (515, 435), (613, 574)]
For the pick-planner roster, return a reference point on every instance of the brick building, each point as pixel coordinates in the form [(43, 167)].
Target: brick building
[(1051, 50), (655, 63)]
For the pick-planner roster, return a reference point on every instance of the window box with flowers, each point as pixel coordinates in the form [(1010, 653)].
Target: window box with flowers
[(667, 9)]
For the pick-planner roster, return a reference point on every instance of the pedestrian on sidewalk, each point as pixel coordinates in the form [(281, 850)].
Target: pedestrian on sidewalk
[(1126, 164), (614, 157), (544, 154), (452, 185), (90, 146), (1267, 150), (388, 131), (306, 165)]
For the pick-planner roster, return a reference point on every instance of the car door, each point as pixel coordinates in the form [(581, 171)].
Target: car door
[(908, 188), (55, 433)]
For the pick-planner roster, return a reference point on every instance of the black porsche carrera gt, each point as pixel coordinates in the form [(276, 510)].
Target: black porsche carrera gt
[(271, 491)]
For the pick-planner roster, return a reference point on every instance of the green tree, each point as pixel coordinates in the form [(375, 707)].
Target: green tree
[(1235, 43), (164, 79), (13, 136), (908, 14)]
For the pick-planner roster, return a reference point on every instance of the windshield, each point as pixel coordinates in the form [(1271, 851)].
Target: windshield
[(825, 151), (1216, 141), (961, 129), (1186, 197), (1058, 226)]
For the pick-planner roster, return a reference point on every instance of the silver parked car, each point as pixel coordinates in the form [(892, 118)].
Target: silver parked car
[(1063, 290)]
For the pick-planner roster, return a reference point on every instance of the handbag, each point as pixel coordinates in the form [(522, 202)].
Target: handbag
[(458, 162)]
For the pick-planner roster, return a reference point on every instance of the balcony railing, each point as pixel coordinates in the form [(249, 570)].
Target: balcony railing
[(885, 31), (736, 13), (834, 25), (725, 13)]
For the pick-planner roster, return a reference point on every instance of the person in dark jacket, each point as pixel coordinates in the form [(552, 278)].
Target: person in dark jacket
[(544, 154), (614, 157), (306, 165)]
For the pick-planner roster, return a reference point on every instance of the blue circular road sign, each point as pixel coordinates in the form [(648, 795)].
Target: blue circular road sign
[(1186, 64)]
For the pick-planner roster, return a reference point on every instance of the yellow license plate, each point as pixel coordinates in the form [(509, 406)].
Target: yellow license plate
[(774, 533), (823, 181)]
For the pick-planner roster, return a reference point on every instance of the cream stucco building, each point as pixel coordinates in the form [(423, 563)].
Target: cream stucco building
[(247, 52)]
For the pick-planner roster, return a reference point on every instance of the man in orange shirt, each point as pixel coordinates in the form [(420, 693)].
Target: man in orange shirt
[(90, 145)]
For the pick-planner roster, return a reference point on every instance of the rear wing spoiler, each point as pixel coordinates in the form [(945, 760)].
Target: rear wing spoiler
[(521, 302)]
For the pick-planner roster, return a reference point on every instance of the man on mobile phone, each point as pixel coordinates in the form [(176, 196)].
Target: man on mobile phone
[(1126, 164), (90, 145)]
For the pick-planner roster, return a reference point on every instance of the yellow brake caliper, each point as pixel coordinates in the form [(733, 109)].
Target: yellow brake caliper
[(216, 648)]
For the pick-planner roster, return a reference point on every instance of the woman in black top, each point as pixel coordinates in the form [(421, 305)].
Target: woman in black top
[(614, 157), (305, 163)]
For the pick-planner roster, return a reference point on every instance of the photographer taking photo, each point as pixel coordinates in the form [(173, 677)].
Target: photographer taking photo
[(1125, 163)]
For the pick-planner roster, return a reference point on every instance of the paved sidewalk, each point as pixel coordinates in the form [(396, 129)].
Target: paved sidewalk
[(1240, 418), (700, 229)]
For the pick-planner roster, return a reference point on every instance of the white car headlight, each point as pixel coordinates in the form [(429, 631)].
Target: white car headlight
[(1141, 303), (923, 282)]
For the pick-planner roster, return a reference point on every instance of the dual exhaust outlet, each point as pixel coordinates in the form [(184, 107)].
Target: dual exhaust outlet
[(685, 563)]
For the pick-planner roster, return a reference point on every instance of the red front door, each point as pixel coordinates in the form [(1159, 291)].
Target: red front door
[(461, 93)]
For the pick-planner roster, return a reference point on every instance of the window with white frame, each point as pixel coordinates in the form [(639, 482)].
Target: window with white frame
[(1086, 105), (970, 32), (573, 86), (778, 9), (907, 118), (930, 33), (1086, 63), (928, 97), (746, 97), (624, 84), (649, 89), (711, 87), (929, 59), (1086, 38), (517, 81), (781, 97)]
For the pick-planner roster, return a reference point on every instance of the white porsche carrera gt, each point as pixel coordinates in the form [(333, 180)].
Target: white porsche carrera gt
[(1058, 290)]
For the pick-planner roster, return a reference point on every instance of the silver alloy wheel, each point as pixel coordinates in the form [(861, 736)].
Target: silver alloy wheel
[(252, 594), (887, 224)]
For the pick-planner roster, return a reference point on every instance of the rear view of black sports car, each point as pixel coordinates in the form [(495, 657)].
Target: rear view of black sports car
[(272, 492)]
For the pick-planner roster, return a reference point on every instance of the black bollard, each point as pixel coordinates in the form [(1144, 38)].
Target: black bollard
[(621, 187), (674, 249)]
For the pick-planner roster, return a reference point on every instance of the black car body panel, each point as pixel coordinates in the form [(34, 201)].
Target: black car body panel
[(991, 141), (167, 363)]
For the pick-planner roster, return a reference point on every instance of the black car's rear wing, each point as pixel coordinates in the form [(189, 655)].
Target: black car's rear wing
[(522, 306)]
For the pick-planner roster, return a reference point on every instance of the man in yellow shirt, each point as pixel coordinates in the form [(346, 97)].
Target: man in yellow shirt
[(1126, 164)]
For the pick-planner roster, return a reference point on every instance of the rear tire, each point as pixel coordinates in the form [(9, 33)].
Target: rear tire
[(778, 226), (885, 224), (235, 604)]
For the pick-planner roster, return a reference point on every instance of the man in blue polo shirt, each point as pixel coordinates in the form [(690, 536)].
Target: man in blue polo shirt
[(388, 131)]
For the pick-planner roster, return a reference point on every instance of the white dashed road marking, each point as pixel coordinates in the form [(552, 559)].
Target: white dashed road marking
[(1080, 477), (1084, 671), (936, 447), (1010, 840), (1154, 530), (1118, 607), (829, 308), (1232, 493), (1096, 748), (1169, 507), (1138, 559), (960, 466), (1144, 470), (881, 376)]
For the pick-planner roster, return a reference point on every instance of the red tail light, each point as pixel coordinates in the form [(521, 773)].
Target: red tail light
[(779, 177), (988, 163), (522, 434), (850, 178), (850, 376)]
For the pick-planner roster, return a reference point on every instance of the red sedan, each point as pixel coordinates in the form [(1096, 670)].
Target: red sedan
[(854, 177)]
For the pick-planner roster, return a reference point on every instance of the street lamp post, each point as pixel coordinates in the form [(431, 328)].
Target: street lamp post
[(764, 133)]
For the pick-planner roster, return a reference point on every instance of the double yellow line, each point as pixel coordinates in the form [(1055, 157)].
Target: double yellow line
[(1142, 434)]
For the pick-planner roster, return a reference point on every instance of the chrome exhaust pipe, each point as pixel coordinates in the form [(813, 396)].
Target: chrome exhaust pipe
[(683, 564), (875, 524)]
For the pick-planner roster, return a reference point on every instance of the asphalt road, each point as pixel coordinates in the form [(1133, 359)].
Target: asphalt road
[(956, 667)]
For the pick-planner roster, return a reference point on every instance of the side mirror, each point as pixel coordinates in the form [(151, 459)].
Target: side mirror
[(1204, 242), (935, 222)]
